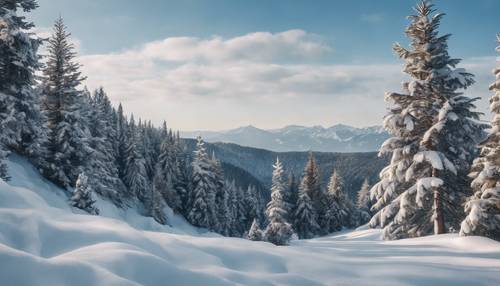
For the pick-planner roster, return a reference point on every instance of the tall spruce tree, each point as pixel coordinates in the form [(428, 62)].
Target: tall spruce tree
[(339, 201), (63, 104), (363, 204), (203, 209), (483, 207), (4, 175), (278, 231), (309, 201), (434, 137), (101, 164), (136, 178), (20, 118)]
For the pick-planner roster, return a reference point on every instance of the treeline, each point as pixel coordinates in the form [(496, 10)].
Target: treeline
[(79, 141), (307, 209)]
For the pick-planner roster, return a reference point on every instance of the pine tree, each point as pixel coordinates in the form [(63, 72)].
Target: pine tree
[(435, 137), (251, 206), (63, 105), (136, 178), (82, 196), (203, 209), (166, 173), (305, 223), (3, 167), (121, 143), (20, 117), (278, 231), (255, 233), (101, 164), (225, 212), (308, 202), (363, 204), (483, 208), (340, 209)]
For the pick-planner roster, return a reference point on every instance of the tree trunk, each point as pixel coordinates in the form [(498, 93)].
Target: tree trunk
[(438, 209)]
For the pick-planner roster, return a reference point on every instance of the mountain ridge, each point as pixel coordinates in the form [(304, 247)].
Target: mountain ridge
[(337, 138)]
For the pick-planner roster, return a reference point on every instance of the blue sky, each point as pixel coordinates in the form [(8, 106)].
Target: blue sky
[(304, 40)]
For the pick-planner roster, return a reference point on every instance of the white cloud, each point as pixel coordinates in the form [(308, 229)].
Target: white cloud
[(264, 79)]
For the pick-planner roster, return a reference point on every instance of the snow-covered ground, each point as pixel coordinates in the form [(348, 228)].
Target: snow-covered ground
[(44, 242)]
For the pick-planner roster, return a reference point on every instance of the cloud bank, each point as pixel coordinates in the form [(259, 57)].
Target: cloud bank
[(265, 79)]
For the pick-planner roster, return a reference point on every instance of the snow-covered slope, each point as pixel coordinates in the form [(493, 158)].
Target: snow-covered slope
[(337, 138), (44, 242)]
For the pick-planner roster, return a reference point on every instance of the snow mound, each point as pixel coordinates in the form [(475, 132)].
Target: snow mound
[(45, 242)]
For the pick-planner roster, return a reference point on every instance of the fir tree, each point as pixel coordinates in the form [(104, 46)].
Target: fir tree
[(82, 196), (435, 137), (255, 233), (63, 105), (166, 174), (3, 167), (308, 202), (203, 211), (340, 210), (20, 117), (278, 231), (136, 178), (363, 204), (121, 143), (101, 164), (483, 208)]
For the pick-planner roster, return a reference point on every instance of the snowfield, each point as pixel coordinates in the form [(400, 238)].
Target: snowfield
[(45, 242)]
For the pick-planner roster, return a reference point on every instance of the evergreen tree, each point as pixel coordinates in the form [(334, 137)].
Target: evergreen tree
[(225, 212), (63, 105), (363, 204), (121, 143), (20, 117), (203, 211), (3, 167), (339, 202), (483, 208), (136, 178), (251, 205), (435, 137), (101, 164), (255, 233), (308, 202), (166, 174), (82, 196), (305, 223), (278, 231)]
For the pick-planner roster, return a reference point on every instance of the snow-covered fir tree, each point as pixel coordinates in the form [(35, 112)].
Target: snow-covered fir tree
[(121, 142), (101, 164), (83, 196), (363, 204), (255, 233), (136, 178), (4, 175), (21, 122), (341, 206), (278, 231), (252, 206), (309, 202), (225, 211), (305, 224), (203, 209), (166, 173), (63, 104), (435, 133), (483, 207)]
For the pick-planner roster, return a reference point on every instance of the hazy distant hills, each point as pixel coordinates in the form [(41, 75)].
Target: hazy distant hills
[(337, 138), (254, 166)]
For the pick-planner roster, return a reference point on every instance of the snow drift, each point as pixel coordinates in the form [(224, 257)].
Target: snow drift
[(45, 242)]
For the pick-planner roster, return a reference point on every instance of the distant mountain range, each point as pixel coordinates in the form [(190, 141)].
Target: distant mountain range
[(338, 138), (253, 166)]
